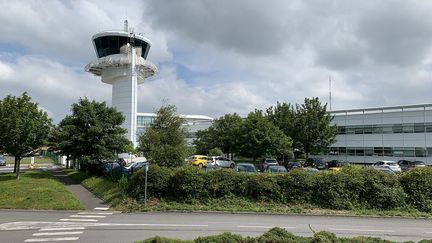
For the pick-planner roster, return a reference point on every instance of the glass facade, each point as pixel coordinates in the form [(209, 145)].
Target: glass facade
[(381, 151), (109, 45), (386, 128)]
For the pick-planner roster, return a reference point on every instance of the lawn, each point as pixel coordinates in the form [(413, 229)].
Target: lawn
[(26, 160), (35, 189)]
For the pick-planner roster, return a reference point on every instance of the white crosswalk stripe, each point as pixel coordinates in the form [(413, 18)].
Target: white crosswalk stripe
[(62, 228), (87, 216), (52, 239), (58, 233)]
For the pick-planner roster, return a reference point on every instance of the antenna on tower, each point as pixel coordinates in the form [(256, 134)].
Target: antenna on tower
[(330, 101)]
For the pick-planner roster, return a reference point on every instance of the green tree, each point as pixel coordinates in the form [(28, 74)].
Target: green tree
[(215, 152), (163, 142), (23, 127), (315, 132), (259, 137), (223, 133), (93, 131)]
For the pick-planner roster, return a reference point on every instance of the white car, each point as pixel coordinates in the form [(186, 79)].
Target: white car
[(387, 164)]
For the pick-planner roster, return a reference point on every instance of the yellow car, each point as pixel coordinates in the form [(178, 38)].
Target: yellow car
[(199, 160)]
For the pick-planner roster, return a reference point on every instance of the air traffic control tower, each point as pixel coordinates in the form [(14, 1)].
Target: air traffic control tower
[(121, 62)]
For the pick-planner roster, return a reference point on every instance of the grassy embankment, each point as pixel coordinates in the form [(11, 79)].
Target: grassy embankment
[(112, 193), (26, 160), (35, 190)]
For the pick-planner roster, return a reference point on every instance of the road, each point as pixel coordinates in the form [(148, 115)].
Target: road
[(104, 226)]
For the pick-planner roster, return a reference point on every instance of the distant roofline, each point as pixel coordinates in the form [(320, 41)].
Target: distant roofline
[(198, 117), (383, 108)]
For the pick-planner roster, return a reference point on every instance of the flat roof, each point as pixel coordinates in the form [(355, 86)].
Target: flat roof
[(383, 108)]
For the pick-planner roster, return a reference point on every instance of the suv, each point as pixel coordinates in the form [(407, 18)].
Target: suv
[(220, 161), (199, 160), (406, 164), (264, 163)]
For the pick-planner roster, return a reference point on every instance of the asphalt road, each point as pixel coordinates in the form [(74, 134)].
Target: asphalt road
[(104, 226)]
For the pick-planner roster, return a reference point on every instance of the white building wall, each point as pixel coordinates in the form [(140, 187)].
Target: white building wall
[(398, 134)]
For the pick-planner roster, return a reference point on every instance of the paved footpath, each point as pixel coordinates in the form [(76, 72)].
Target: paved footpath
[(88, 199)]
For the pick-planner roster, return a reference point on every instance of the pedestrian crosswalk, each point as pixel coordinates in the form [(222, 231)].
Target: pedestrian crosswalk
[(62, 233)]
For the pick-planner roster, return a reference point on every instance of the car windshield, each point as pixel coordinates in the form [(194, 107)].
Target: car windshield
[(273, 161), (247, 168), (392, 163)]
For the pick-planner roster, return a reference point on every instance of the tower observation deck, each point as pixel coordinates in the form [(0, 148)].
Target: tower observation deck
[(121, 62)]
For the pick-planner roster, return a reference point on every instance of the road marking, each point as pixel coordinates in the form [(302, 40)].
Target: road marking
[(27, 225), (58, 233), (263, 226), (97, 213), (80, 220), (62, 228), (428, 232), (52, 239), (100, 208), (362, 230), (87, 216)]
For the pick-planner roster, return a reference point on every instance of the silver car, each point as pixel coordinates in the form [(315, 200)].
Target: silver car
[(221, 161), (388, 164)]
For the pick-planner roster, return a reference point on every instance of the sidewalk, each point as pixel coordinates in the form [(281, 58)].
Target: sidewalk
[(88, 199)]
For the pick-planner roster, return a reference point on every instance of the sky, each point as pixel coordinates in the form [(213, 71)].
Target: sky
[(225, 56)]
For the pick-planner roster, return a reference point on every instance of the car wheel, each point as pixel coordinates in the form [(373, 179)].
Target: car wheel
[(232, 166), (200, 166)]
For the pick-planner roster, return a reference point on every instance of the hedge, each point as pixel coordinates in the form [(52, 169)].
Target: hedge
[(353, 187)]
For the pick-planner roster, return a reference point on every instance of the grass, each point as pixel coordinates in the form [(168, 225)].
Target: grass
[(35, 190), (105, 189), (26, 160), (111, 192)]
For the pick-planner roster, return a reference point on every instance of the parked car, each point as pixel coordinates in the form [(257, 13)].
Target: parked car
[(334, 165), (220, 161), (2, 160), (264, 163), (318, 163), (111, 167), (134, 167), (293, 165), (276, 169), (385, 170), (198, 160), (310, 169), (407, 164), (387, 164), (245, 167)]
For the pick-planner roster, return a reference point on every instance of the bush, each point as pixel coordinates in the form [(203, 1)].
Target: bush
[(158, 182), (222, 238), (297, 186), (188, 183), (281, 235), (417, 184), (353, 187)]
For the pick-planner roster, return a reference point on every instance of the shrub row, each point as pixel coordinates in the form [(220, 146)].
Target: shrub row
[(274, 235), (354, 187)]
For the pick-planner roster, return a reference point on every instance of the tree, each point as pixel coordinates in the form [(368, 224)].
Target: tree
[(259, 137), (215, 152), (23, 127), (223, 133), (315, 132), (93, 130), (163, 142)]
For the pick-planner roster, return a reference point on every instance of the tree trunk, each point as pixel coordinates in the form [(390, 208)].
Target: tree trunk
[(17, 165)]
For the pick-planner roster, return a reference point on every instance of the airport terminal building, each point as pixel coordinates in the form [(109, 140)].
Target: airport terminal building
[(383, 133), (193, 123)]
